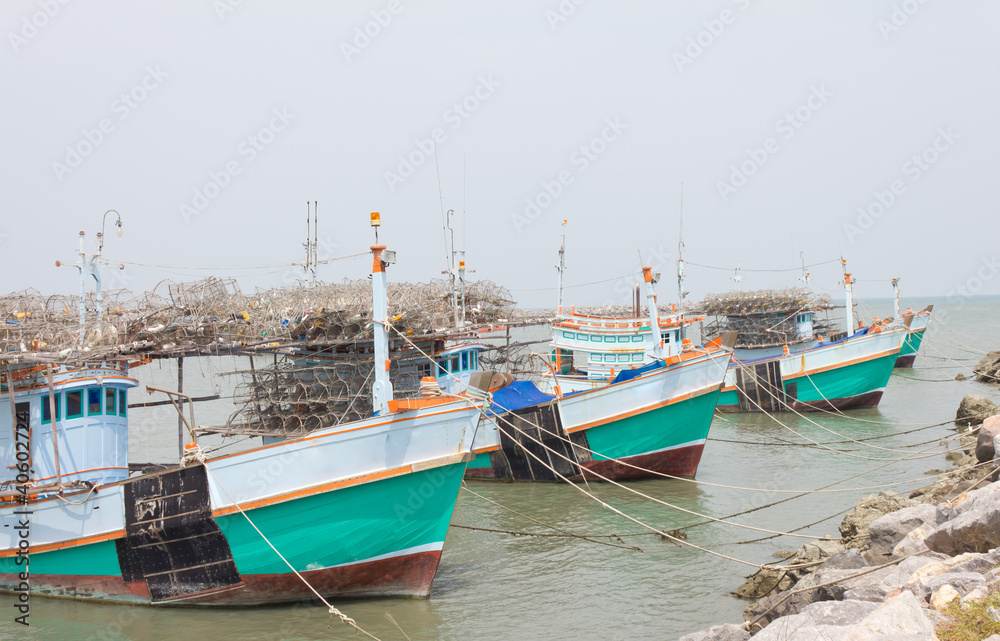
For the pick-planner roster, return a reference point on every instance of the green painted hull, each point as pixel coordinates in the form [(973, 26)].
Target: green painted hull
[(855, 385), (377, 519), (481, 461), (679, 424), (912, 343)]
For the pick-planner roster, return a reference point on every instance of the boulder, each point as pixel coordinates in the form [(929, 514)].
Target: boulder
[(973, 410), (849, 559), (888, 530), (898, 617), (799, 627), (912, 543), (768, 581), (978, 594), (943, 596), (728, 632), (961, 582), (987, 370), (981, 563), (984, 444), (838, 612), (854, 527), (975, 528)]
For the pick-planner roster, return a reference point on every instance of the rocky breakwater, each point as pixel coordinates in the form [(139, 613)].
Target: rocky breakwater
[(904, 567)]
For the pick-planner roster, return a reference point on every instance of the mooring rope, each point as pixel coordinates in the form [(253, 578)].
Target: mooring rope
[(330, 608)]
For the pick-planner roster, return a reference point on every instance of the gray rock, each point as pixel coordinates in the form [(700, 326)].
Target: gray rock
[(838, 612), (849, 559), (973, 410), (984, 443), (854, 527), (899, 615), (976, 528), (992, 637), (963, 582), (987, 370), (982, 563), (873, 593), (728, 632), (888, 530), (799, 627)]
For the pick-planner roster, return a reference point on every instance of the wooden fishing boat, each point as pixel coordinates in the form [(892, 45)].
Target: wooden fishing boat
[(359, 509)]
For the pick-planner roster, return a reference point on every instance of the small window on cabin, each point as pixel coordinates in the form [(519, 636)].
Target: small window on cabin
[(122, 402), (109, 401), (666, 337), (596, 358), (74, 404), (454, 363), (624, 358), (637, 339), (569, 335), (465, 361), (94, 401), (47, 408), (475, 360), (583, 337), (623, 339), (637, 358), (442, 368), (609, 339)]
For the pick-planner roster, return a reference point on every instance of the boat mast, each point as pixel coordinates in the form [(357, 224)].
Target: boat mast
[(654, 319), (680, 258), (737, 276), (849, 296), (895, 297), (561, 267), (382, 388)]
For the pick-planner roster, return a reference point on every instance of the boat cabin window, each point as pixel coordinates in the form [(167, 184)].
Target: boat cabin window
[(94, 401), (454, 363), (442, 368), (122, 402), (666, 337), (475, 360), (74, 404), (47, 408), (109, 401), (424, 369), (465, 361)]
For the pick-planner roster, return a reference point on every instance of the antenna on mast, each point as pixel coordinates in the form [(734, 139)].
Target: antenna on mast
[(737, 276), (680, 257), (562, 268), (806, 276)]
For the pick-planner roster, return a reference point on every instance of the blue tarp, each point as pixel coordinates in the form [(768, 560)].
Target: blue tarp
[(517, 395), (629, 374)]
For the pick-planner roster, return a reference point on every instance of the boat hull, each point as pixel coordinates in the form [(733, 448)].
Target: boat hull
[(836, 377), (908, 354), (651, 425), (382, 538)]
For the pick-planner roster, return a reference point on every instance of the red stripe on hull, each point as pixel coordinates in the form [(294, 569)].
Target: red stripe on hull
[(682, 461), (868, 399), (480, 473), (409, 575), (906, 361)]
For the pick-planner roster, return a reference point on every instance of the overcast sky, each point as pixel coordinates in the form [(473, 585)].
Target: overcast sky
[(862, 128)]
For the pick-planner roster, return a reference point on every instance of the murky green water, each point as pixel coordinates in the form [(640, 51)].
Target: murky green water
[(498, 586)]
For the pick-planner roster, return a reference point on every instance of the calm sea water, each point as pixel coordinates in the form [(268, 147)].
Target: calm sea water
[(499, 587)]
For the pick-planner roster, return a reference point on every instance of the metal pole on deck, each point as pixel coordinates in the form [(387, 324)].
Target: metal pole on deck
[(55, 431), (180, 417)]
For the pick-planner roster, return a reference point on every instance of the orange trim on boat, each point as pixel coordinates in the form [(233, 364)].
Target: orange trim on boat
[(648, 408), (61, 545)]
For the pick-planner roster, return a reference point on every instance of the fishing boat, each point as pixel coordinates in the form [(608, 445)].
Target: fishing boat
[(782, 364), (642, 411), (359, 509)]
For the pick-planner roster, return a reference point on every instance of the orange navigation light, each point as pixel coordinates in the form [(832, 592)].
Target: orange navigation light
[(376, 219)]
